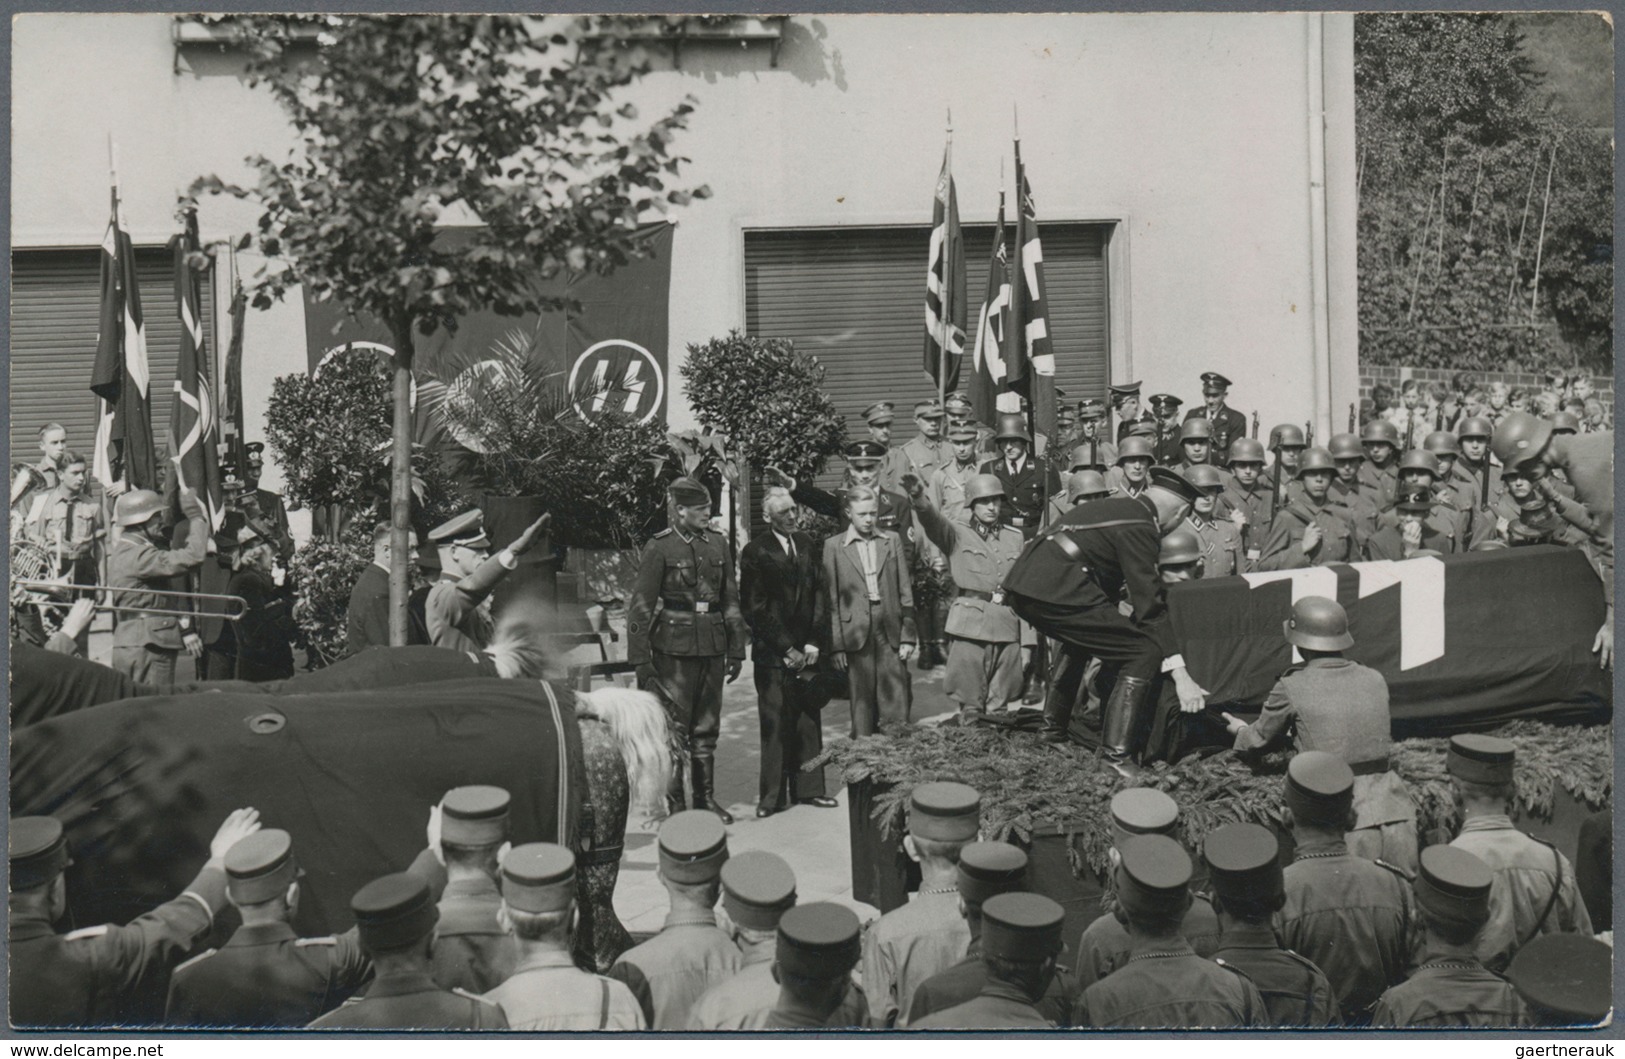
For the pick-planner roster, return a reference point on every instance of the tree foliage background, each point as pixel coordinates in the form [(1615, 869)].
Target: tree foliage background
[(1457, 144)]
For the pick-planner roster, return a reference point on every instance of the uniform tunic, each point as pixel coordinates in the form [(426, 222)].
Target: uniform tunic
[(547, 993), (1340, 707), (1295, 991), (1166, 985), (1228, 425), (1283, 550), (267, 976), (730, 1004), (984, 659), (1450, 992), (145, 645), (892, 468), (924, 458), (997, 1006), (1363, 512), (471, 950), (77, 980), (684, 620), (1388, 543), (964, 981), (1105, 945), (1254, 504), (1473, 478), (908, 945), (673, 969), (68, 524), (1380, 483), (1027, 486), (1221, 546), (1528, 875), (411, 1001), (1352, 918), (457, 614), (947, 489)]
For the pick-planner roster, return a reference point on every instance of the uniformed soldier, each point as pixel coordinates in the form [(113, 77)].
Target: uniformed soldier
[(1196, 446), (1105, 944), (1565, 979), (145, 646), (1287, 444), (472, 949), (878, 417), (1463, 494), (1247, 495), (266, 976), (685, 649), (1475, 467), (67, 522), (757, 889), (986, 869), (1412, 532), (81, 979), (1313, 530), (1181, 556), (1021, 948), (1535, 891), (984, 657), (817, 948), (1451, 988), (1083, 486), (913, 942), (1222, 553), (1165, 414), (927, 453), (1125, 399), (456, 609), (1244, 867), (1066, 432), (1331, 704), (673, 969), (1092, 435), (546, 992), (1350, 916), (1132, 473), (947, 487), (1229, 425), (1348, 457), (1067, 583), (1164, 984), (1420, 469), (962, 413), (1523, 484), (1379, 475), (395, 916), (263, 506), (1027, 483)]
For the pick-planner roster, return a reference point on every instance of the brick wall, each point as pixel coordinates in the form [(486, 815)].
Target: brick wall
[(1394, 375)]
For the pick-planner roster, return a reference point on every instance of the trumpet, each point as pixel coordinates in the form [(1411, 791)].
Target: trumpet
[(32, 585)]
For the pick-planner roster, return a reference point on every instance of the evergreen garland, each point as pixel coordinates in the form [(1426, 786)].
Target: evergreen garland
[(1029, 786)]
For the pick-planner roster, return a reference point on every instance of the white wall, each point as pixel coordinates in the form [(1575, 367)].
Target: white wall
[(1192, 131)]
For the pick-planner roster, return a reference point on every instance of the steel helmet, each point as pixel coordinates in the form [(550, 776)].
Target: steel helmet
[(1520, 438), (1135, 446), (136, 507), (1197, 428), (1082, 457), (1204, 476), (1345, 447), (982, 486), (1180, 547), (1479, 426), (1420, 460), (1442, 443), (1565, 423), (1489, 546), (1379, 432), (1318, 623), (1315, 459), (1086, 483), (1287, 436), (1246, 450), (1013, 427)]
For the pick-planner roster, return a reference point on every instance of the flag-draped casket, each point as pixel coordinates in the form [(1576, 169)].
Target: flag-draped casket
[(1464, 641), (142, 784)]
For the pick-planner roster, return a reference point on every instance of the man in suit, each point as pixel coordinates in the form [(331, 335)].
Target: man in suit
[(367, 622), (871, 614), (778, 592)]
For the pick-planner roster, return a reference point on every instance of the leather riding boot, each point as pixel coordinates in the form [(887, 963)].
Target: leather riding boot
[(1124, 726), (1065, 675), (705, 795), (676, 800)]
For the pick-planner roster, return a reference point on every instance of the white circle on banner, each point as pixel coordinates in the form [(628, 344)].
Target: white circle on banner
[(616, 373), (374, 347)]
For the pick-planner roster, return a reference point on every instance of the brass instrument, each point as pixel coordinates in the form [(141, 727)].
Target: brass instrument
[(31, 585)]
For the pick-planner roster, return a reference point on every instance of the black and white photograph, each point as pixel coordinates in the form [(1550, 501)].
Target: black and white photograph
[(898, 525)]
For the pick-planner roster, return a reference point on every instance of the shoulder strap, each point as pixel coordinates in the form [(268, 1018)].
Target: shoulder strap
[(1557, 888)]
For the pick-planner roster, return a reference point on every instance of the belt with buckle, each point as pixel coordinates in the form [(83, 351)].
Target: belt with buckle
[(696, 606), (986, 597)]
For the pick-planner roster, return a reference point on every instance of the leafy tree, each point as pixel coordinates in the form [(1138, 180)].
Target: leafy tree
[(404, 122)]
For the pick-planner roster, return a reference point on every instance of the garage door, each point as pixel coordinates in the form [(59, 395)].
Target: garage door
[(854, 298), (55, 310)]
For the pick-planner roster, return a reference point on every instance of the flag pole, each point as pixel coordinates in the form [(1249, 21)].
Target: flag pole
[(943, 325)]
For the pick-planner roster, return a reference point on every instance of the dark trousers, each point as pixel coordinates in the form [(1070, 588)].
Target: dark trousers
[(1101, 632), (792, 735), (691, 689), (878, 683)]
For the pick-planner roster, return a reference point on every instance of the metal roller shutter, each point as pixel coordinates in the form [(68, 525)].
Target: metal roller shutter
[(55, 308), (854, 298)]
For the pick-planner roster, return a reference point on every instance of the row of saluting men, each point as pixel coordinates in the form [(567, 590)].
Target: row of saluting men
[(1333, 939)]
